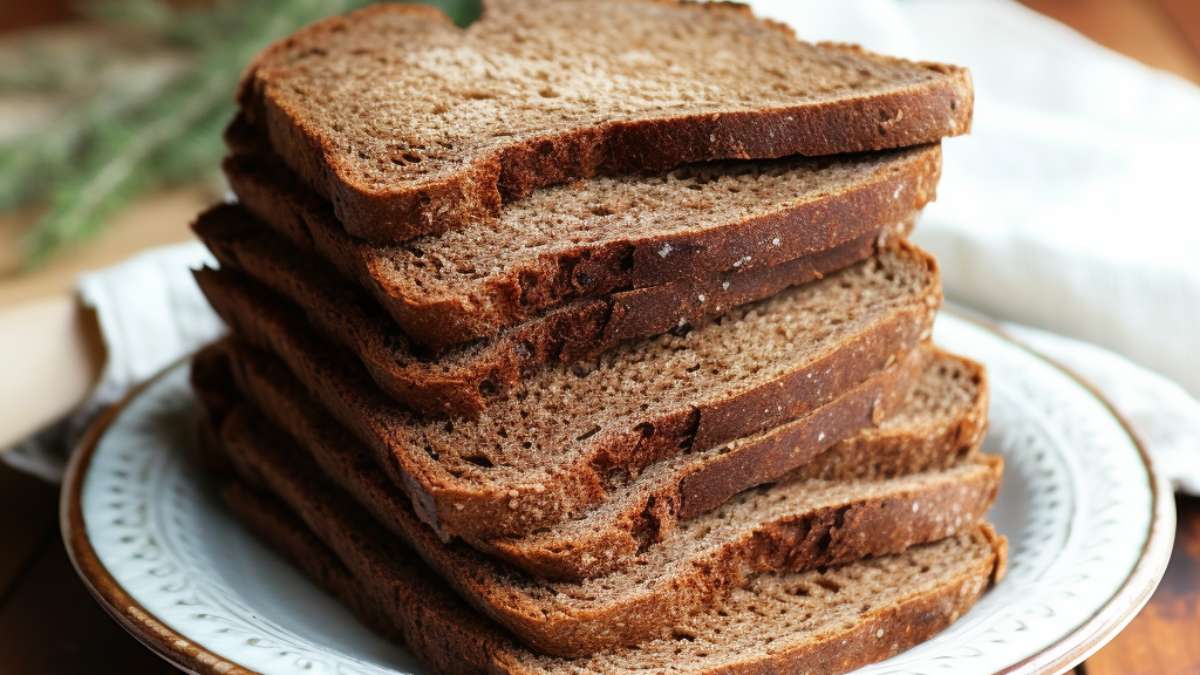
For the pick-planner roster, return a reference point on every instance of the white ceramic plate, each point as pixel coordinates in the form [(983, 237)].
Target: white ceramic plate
[(1090, 527)]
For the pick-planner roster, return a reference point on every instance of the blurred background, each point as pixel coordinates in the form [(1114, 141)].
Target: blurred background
[(111, 114)]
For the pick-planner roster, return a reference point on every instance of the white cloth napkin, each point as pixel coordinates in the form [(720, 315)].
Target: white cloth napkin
[(1070, 206), (151, 313), (1064, 209), (1164, 416)]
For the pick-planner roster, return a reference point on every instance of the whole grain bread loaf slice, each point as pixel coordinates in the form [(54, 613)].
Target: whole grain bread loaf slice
[(823, 621), (462, 380), (601, 236), (941, 422), (644, 509), (559, 441), (790, 527), (411, 126)]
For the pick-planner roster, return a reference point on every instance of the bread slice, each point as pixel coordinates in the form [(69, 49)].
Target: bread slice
[(942, 421), (600, 236), (462, 380), (794, 526), (563, 437), (824, 621), (411, 126)]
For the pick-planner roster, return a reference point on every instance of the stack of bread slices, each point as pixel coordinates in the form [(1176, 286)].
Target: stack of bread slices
[(588, 338)]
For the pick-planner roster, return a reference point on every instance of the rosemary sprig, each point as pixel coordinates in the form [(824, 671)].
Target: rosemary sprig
[(32, 163), (124, 136)]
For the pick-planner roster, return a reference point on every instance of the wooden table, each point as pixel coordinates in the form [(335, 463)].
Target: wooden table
[(49, 623)]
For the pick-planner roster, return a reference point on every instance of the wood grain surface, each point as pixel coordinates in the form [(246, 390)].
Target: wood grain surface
[(49, 623), (1165, 637)]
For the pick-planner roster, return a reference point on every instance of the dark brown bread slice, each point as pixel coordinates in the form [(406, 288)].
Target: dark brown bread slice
[(275, 389), (644, 509), (600, 236), (792, 527), (561, 439), (411, 126), (826, 621), (462, 380), (941, 422)]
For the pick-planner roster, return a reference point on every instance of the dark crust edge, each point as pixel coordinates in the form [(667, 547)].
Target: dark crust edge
[(273, 194), (921, 114)]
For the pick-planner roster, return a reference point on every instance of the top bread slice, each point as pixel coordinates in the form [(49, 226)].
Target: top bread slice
[(412, 126), (561, 437), (822, 621), (599, 236)]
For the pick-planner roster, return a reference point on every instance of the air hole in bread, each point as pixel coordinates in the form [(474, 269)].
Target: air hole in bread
[(588, 434), (479, 460), (828, 584)]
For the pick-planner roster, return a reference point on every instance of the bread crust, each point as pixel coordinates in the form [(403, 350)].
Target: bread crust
[(886, 203), (556, 625), (461, 382), (902, 116)]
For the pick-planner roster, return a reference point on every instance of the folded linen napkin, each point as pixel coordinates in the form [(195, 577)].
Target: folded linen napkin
[(1164, 416), (1063, 209), (150, 313), (1069, 206)]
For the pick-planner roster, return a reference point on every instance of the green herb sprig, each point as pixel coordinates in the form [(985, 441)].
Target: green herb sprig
[(122, 138)]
